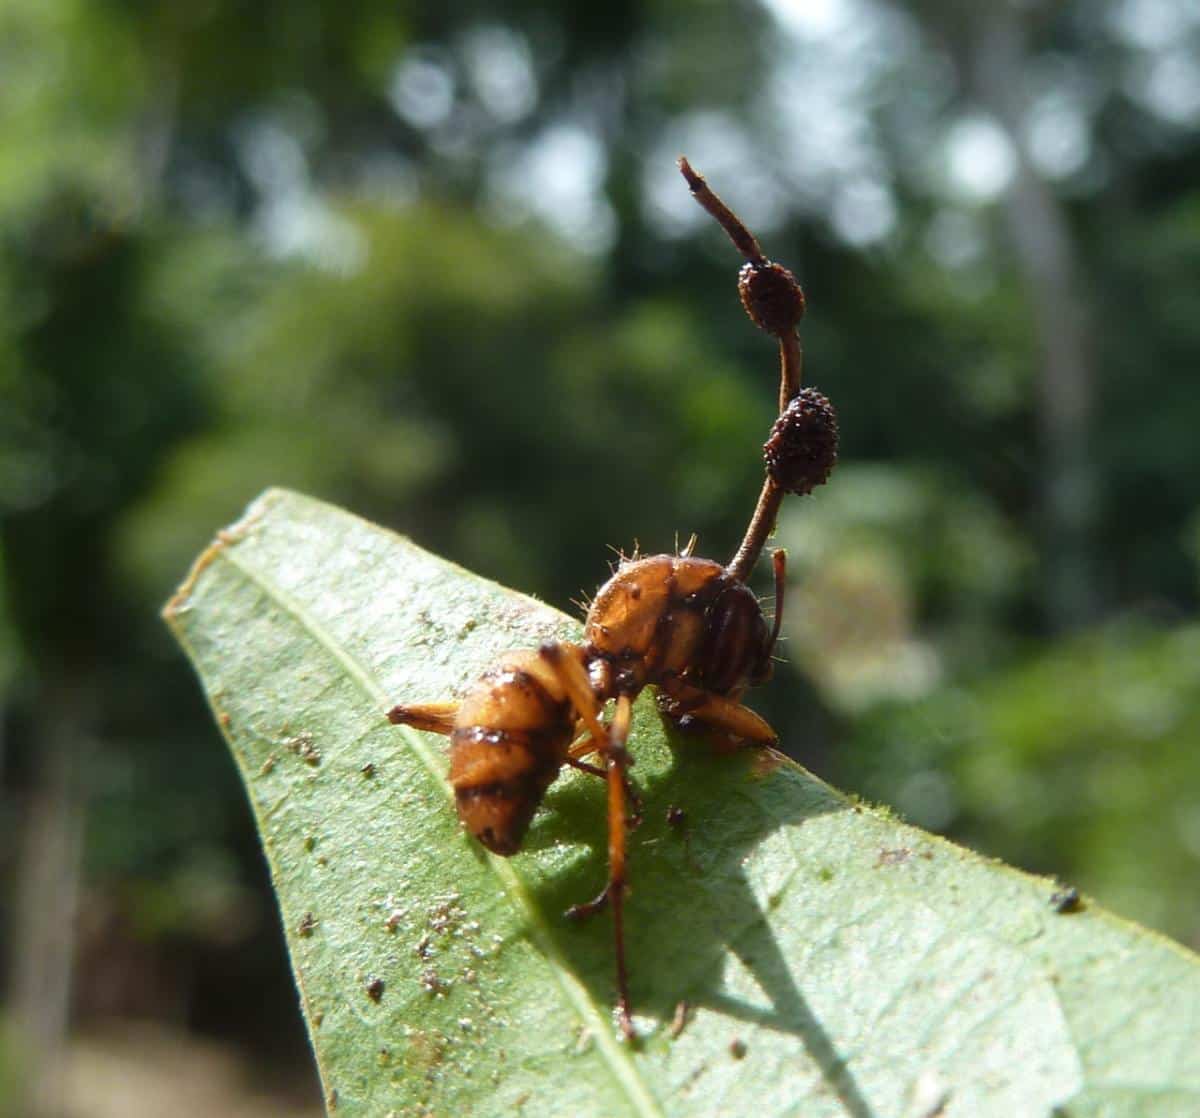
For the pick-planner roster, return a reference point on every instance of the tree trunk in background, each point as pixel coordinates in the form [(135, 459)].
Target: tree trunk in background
[(43, 943), (1041, 237)]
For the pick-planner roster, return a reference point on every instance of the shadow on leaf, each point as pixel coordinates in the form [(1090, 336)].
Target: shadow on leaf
[(692, 903)]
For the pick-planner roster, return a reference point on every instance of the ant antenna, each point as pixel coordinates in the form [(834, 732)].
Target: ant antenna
[(775, 303)]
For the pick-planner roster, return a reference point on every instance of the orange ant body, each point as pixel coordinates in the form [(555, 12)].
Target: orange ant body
[(689, 626)]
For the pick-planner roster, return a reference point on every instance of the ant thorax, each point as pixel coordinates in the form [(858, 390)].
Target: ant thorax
[(676, 616)]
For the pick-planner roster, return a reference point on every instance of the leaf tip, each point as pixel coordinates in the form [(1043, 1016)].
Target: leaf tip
[(225, 537)]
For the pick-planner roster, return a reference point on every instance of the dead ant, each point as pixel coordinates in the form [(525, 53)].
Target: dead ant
[(689, 626)]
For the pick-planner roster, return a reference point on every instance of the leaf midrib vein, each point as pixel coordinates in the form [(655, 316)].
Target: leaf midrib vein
[(620, 1064)]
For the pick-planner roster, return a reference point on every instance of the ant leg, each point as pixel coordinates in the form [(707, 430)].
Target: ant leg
[(436, 718), (617, 826), (582, 747), (728, 717), (574, 680), (586, 745), (584, 767), (736, 719), (614, 891), (587, 909)]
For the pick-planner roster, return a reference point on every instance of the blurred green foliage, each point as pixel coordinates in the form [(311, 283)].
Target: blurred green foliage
[(435, 265), (7, 1072)]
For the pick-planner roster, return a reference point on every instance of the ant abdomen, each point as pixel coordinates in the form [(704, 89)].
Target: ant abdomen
[(509, 741)]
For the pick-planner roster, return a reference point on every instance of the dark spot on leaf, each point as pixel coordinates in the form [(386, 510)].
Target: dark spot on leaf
[(374, 988), (426, 1051), (368, 770), (433, 983), (737, 1049), (1066, 900), (307, 923), (445, 916), (896, 857), (696, 1073), (303, 746)]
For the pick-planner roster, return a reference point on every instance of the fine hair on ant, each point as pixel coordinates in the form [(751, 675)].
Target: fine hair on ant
[(688, 626)]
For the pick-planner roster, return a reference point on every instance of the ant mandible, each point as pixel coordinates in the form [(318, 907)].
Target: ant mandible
[(689, 626)]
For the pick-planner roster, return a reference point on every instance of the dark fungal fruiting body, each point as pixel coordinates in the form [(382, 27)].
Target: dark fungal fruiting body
[(801, 450), (771, 295)]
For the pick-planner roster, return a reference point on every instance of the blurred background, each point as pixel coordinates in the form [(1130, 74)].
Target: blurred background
[(434, 262)]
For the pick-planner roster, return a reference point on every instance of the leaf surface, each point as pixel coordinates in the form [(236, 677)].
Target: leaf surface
[(792, 953)]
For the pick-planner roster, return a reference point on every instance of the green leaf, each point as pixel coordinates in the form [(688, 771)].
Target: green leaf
[(832, 960)]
